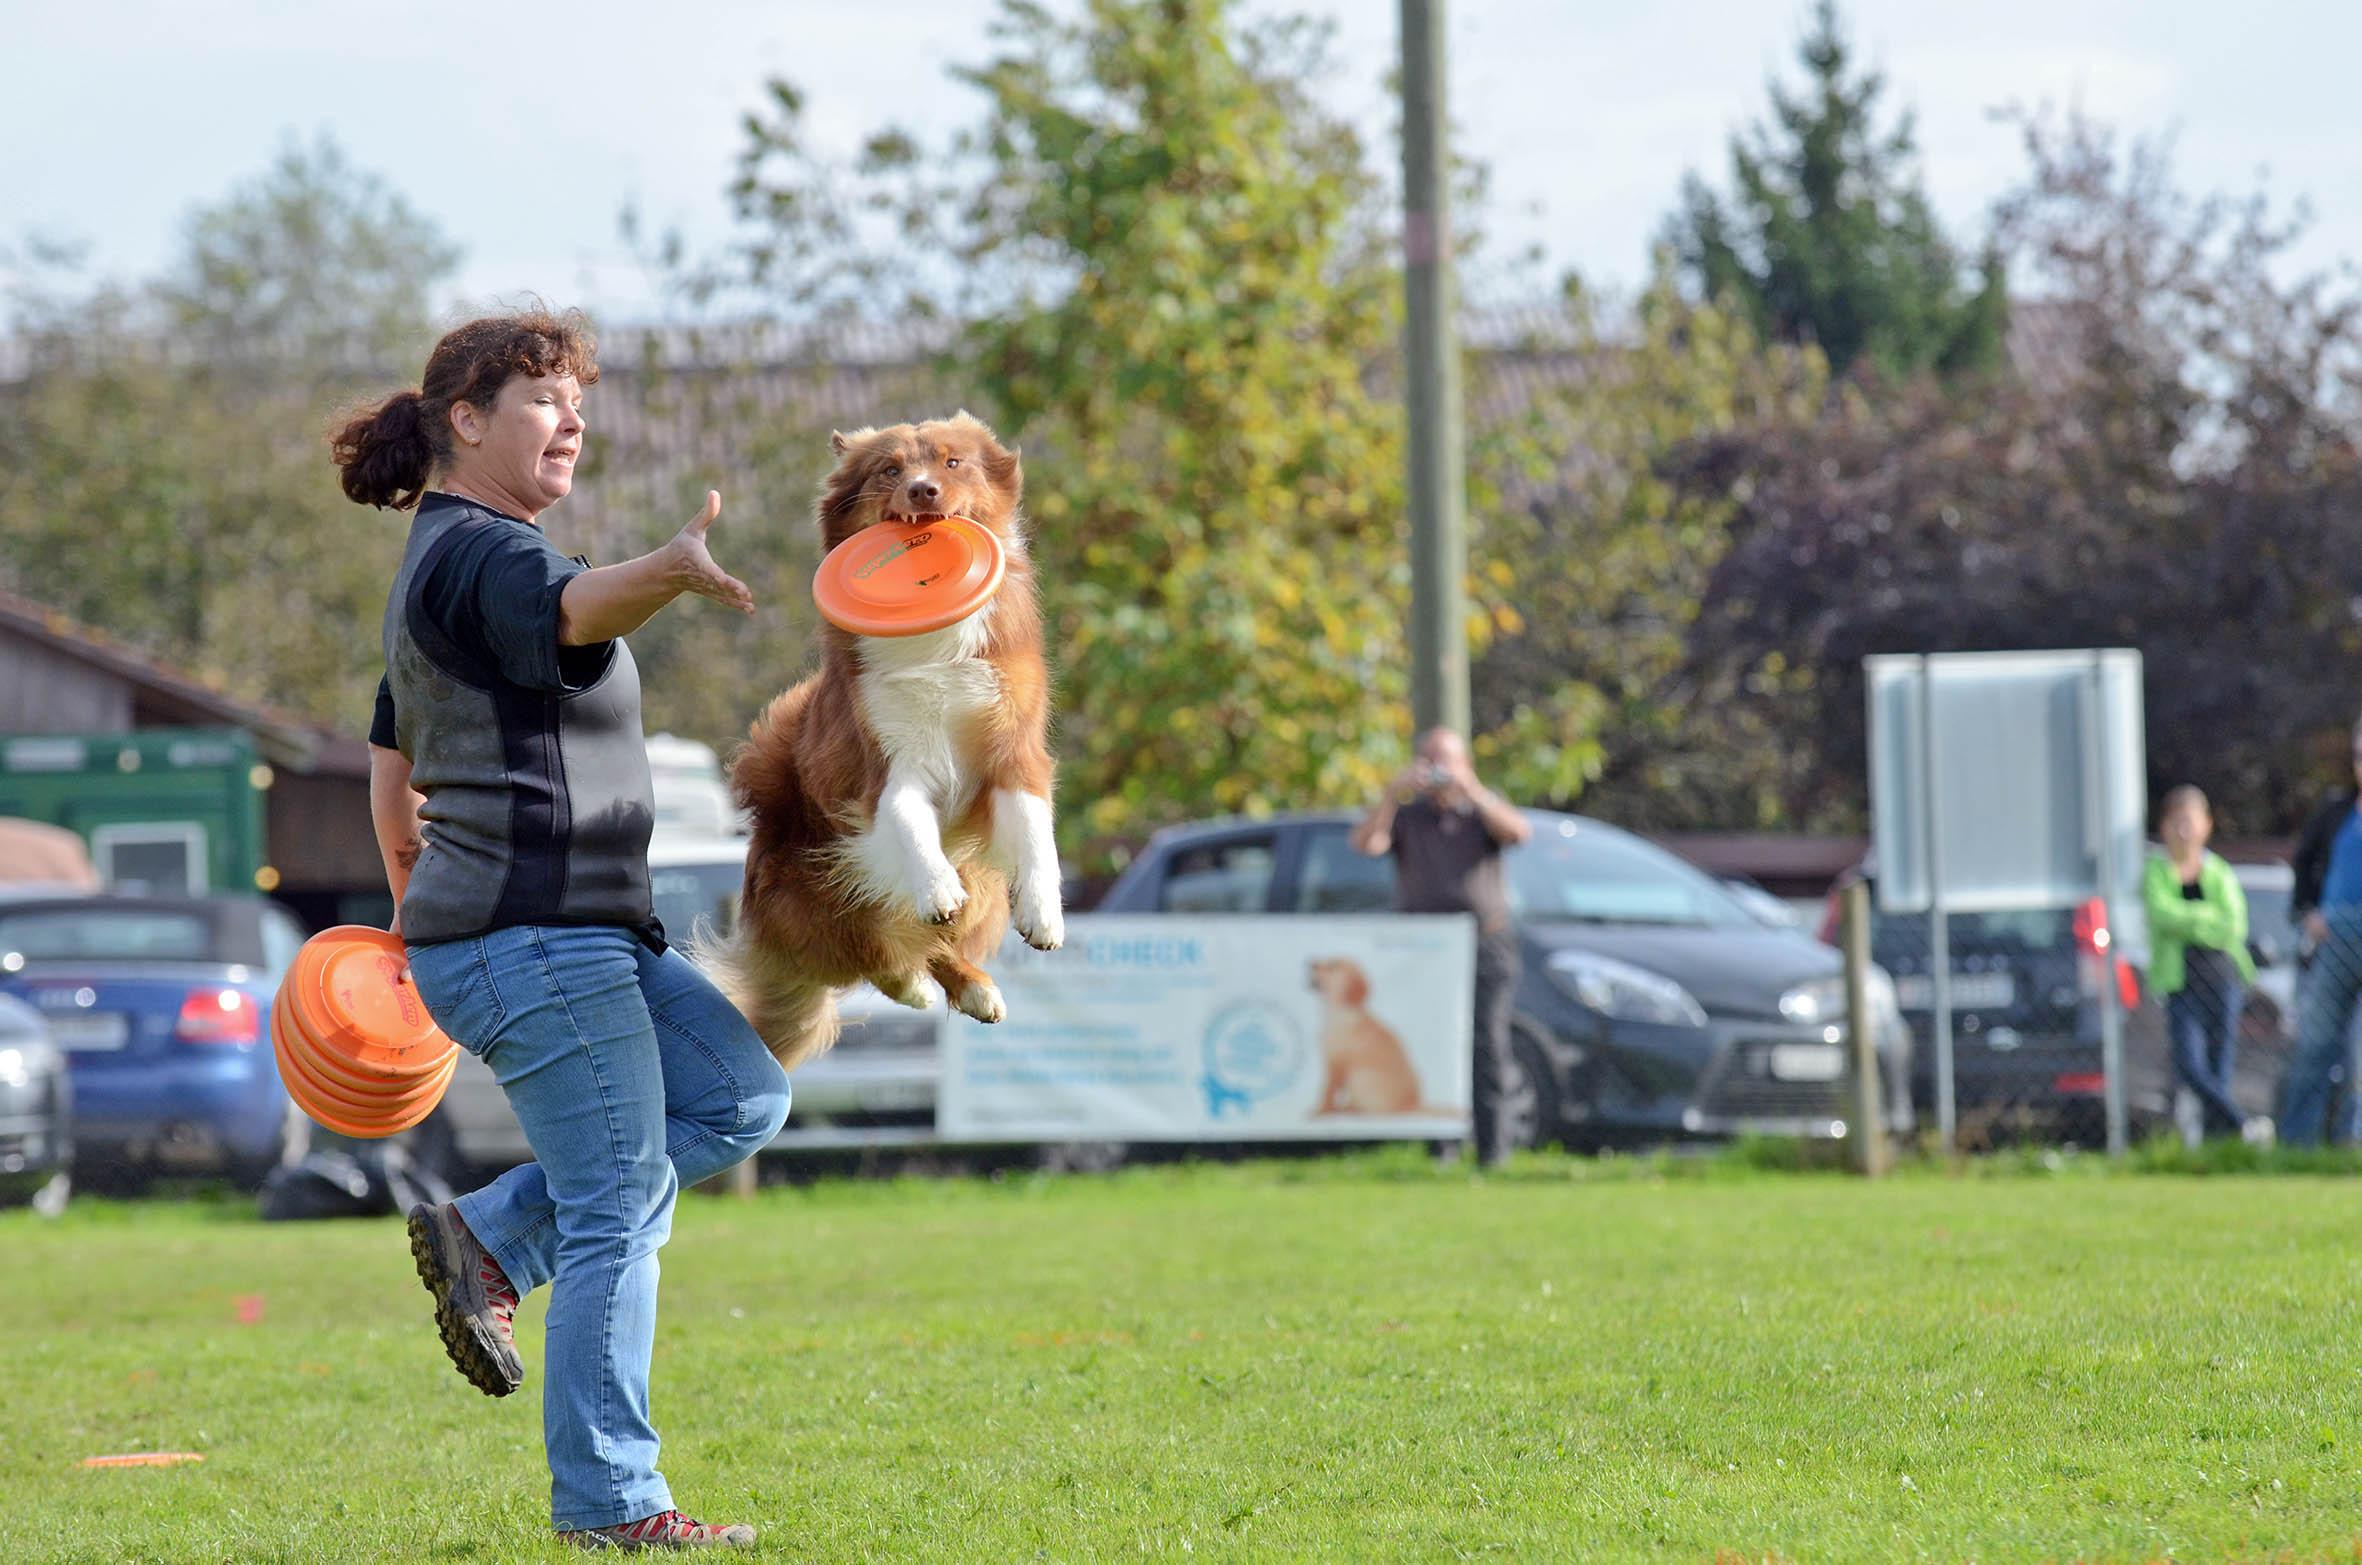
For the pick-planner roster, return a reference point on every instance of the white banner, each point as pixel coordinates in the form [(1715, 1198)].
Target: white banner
[(1222, 1028)]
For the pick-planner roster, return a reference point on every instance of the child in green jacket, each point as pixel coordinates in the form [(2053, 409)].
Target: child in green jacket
[(2198, 954)]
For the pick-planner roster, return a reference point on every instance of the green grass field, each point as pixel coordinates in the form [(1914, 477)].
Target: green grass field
[(1360, 1359)]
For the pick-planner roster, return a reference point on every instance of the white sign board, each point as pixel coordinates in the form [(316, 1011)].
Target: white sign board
[(1239, 1028), (2010, 779)]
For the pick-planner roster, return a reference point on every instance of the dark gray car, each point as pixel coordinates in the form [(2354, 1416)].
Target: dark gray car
[(1653, 1003)]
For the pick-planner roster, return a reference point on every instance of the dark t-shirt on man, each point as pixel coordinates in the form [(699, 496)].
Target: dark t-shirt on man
[(1446, 862)]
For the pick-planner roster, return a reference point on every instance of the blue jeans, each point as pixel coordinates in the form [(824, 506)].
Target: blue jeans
[(2204, 1026), (2325, 998), (632, 1076)]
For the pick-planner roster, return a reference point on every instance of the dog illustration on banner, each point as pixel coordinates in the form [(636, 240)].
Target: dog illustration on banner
[(1367, 1069)]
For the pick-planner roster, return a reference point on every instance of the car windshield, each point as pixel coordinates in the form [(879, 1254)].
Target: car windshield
[(1582, 871), (689, 894), (101, 933)]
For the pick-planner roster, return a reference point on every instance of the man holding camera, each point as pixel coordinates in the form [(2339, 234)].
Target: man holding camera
[(1446, 831)]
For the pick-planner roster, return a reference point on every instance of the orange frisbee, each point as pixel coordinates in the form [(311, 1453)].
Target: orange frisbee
[(310, 1076), (908, 578), (356, 1048), (352, 999), (349, 1113)]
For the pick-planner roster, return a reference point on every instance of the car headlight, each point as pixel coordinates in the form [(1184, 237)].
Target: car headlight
[(1623, 991), (1821, 1003)]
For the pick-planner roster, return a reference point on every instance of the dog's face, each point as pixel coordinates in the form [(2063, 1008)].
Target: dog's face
[(910, 472), (1340, 980)]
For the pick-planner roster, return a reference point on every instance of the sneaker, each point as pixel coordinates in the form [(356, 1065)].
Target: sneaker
[(474, 1303), (664, 1530), (2258, 1131)]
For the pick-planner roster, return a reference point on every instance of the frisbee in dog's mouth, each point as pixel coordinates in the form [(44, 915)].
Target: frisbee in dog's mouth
[(908, 576)]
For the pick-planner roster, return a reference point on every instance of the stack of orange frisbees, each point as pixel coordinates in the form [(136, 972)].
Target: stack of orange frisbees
[(357, 1050)]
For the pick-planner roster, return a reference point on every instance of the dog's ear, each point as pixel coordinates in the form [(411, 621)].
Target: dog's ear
[(1002, 466), (842, 489), (1000, 462), (1357, 986)]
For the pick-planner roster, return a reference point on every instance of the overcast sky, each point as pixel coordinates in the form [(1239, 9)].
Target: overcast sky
[(523, 130)]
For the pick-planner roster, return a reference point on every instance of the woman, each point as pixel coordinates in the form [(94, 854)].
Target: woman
[(510, 790), (2198, 954)]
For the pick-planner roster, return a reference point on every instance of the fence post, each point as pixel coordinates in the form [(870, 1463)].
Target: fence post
[(1869, 1117)]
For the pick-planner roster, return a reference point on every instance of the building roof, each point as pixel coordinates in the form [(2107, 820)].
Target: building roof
[(168, 696)]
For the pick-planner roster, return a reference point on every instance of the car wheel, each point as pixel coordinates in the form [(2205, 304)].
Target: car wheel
[(1529, 1105), (293, 1141)]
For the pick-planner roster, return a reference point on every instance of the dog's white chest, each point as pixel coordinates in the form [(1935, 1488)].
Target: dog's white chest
[(921, 696)]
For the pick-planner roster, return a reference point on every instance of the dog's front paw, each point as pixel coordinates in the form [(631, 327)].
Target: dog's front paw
[(980, 998), (940, 900), (915, 990), (1042, 923)]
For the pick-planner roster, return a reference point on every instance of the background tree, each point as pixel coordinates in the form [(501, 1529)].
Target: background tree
[(163, 472), (1188, 293), (2173, 468), (1590, 563), (1168, 270), (1827, 235), (315, 263)]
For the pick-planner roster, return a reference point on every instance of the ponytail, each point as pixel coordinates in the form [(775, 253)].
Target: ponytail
[(386, 452)]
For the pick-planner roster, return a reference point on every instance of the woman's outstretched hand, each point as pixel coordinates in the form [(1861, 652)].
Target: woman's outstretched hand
[(693, 564)]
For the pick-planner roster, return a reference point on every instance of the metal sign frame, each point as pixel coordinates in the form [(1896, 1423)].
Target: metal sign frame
[(2058, 816)]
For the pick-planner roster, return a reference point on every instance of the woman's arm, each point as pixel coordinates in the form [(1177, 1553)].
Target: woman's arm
[(615, 600), (393, 811)]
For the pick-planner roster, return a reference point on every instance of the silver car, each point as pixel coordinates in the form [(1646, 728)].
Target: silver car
[(36, 1109)]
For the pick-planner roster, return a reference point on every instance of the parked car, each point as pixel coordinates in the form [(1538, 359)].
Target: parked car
[(36, 1106), (161, 1006), (877, 1085), (2026, 1013), (1653, 1003), (1777, 912)]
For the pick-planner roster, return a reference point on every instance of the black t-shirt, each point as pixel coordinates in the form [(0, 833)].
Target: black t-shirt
[(494, 592), (1446, 862)]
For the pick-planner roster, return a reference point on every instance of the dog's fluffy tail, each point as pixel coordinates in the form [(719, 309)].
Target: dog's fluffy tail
[(795, 1017)]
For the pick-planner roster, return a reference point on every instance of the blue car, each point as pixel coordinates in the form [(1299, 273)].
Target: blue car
[(162, 1006)]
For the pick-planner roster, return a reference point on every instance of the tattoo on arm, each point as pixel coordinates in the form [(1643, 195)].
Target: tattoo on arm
[(406, 854)]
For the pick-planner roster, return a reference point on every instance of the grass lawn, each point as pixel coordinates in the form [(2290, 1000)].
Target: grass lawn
[(1353, 1360)]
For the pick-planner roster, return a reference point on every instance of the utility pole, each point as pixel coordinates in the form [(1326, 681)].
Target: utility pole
[(1431, 362)]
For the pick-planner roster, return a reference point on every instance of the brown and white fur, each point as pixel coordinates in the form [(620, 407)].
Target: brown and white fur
[(901, 795), (1368, 1069)]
